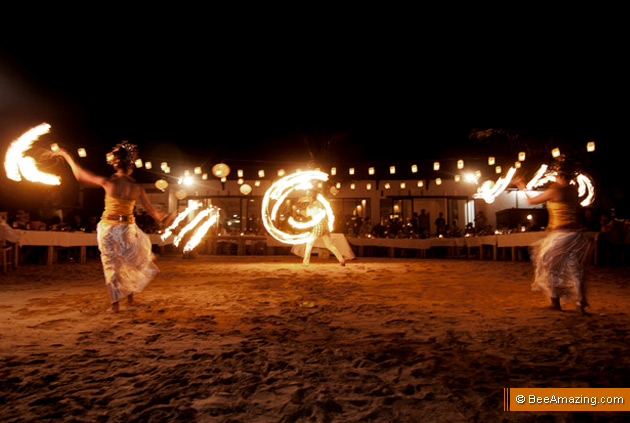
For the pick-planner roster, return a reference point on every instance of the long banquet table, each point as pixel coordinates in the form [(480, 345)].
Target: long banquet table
[(62, 239), (495, 242)]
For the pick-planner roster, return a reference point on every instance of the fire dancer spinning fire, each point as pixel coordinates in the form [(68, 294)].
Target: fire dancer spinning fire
[(559, 257), (315, 210), (125, 250)]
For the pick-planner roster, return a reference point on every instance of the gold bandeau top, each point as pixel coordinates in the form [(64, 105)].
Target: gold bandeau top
[(562, 215), (118, 210)]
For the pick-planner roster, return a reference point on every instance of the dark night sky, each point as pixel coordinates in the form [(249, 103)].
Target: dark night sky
[(204, 96)]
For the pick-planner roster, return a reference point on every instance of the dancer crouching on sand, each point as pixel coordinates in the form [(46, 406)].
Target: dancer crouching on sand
[(125, 250), (559, 257)]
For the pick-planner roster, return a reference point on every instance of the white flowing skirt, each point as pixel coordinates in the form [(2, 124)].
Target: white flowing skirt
[(559, 265), (127, 258)]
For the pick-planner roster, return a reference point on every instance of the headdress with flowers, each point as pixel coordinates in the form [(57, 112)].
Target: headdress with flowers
[(123, 154)]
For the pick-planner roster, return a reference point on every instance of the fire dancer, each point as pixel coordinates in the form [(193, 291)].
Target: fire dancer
[(559, 257), (312, 208), (125, 250)]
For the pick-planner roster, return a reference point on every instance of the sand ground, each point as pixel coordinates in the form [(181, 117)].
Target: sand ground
[(264, 339)]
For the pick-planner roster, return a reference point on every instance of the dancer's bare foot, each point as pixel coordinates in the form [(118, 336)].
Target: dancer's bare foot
[(342, 263)]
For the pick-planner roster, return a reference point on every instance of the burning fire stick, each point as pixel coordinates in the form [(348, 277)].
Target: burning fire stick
[(211, 214), (17, 165)]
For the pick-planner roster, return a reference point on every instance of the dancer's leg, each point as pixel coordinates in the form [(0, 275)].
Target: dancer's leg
[(328, 243), (307, 252)]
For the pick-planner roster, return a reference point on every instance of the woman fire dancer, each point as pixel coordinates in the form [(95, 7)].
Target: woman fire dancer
[(125, 250), (559, 257)]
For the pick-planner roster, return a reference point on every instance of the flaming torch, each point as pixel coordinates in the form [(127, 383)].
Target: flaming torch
[(18, 166), (197, 225)]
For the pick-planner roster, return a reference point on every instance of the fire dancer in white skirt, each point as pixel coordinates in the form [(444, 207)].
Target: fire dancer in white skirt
[(125, 249), (312, 208), (559, 257)]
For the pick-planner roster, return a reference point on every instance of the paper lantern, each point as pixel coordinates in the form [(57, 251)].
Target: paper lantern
[(491, 161), (498, 169), (387, 186), (161, 184), (81, 152), (521, 156), (438, 181), (590, 146), (555, 152), (220, 170), (414, 168), (371, 171), (261, 173), (148, 165), (240, 181), (368, 186), (458, 178), (54, 147), (351, 171), (403, 185), (245, 189), (282, 172), (420, 184), (198, 170), (333, 171), (239, 173), (392, 169), (139, 163), (180, 194), (352, 186), (436, 165), (460, 164)]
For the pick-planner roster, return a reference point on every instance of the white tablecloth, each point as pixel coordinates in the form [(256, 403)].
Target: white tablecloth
[(67, 239)]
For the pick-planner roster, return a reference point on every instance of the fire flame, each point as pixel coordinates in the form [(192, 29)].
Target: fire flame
[(211, 214), (17, 165), (277, 195), (490, 191)]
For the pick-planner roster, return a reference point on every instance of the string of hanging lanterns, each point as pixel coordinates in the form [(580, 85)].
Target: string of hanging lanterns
[(222, 170)]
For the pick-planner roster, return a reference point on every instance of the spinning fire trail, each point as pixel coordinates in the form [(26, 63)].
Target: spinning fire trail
[(17, 165), (198, 226), (276, 207)]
